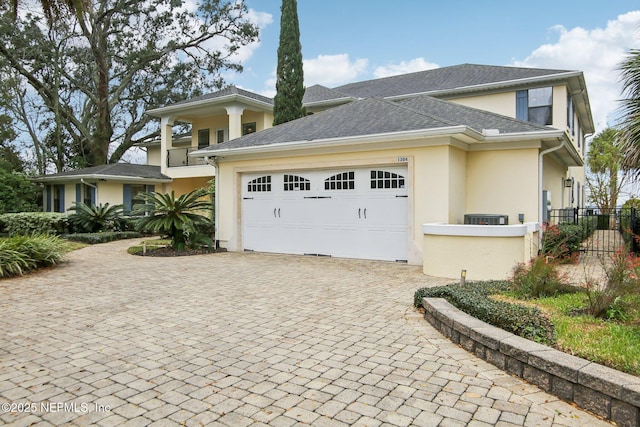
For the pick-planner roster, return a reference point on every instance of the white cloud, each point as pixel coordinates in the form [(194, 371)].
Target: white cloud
[(333, 70), (598, 53), (326, 70), (242, 55), (404, 67)]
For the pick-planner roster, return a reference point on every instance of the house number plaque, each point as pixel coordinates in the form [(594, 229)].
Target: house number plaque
[(403, 159)]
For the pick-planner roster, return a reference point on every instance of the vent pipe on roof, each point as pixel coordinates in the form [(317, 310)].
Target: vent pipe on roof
[(490, 132)]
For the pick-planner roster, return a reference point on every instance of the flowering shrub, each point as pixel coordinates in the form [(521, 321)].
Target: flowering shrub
[(561, 241), (538, 279), (622, 279)]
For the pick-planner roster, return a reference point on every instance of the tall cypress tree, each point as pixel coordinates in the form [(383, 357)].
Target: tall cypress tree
[(290, 79)]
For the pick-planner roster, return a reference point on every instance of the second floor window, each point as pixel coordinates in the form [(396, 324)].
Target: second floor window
[(535, 105), (248, 128), (203, 138)]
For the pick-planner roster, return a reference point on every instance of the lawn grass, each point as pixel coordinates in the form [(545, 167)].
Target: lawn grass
[(613, 343), (150, 245)]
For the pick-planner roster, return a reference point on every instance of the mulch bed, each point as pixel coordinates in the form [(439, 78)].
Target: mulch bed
[(169, 252)]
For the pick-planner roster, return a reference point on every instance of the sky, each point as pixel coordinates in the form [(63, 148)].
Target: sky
[(344, 41)]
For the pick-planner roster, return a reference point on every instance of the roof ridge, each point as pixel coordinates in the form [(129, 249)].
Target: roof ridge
[(422, 113)]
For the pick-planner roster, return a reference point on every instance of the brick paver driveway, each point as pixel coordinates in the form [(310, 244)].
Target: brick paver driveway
[(242, 339)]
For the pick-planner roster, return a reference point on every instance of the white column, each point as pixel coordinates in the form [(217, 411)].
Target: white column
[(166, 140), (235, 121)]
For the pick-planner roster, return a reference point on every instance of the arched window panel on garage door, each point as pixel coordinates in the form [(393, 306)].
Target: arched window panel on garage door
[(296, 183), (341, 181), (384, 179), (261, 184)]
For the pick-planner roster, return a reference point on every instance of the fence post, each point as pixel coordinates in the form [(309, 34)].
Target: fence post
[(635, 230)]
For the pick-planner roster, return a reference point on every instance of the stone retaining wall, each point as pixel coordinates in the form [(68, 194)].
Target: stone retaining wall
[(604, 391)]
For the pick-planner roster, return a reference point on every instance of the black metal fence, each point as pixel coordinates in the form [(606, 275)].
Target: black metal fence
[(604, 231)]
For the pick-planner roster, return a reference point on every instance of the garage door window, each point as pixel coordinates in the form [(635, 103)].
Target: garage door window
[(260, 184), (384, 179), (341, 181), (296, 183)]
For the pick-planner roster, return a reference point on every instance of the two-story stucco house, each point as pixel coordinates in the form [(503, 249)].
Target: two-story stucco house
[(390, 168)]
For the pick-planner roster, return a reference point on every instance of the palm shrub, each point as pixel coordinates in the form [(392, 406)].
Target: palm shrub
[(19, 254), (181, 219), (92, 219)]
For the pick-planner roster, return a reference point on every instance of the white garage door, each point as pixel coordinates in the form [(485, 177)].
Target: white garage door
[(352, 213)]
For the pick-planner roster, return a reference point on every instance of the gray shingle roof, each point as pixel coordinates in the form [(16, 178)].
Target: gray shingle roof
[(439, 79), (373, 116), (116, 170), (229, 90), (319, 93)]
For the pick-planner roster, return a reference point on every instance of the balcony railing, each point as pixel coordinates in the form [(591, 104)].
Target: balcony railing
[(180, 157)]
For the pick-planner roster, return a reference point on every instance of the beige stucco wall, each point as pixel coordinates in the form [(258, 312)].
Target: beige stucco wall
[(560, 107), (503, 182), (69, 195), (153, 156), (553, 175), (184, 185), (213, 124), (499, 103), (263, 121), (110, 192), (458, 164), (107, 192)]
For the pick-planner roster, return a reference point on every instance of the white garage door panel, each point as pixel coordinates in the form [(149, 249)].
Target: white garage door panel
[(355, 213)]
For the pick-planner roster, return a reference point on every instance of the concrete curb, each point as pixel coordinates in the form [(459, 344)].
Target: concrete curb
[(604, 391)]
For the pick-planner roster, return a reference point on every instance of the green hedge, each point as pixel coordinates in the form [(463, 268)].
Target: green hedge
[(28, 223), (20, 254), (107, 236), (473, 299)]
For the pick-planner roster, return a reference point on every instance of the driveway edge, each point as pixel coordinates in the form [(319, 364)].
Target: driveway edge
[(606, 392)]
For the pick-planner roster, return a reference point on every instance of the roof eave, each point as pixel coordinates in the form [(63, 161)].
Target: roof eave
[(552, 134), (341, 141), (99, 177), (180, 107)]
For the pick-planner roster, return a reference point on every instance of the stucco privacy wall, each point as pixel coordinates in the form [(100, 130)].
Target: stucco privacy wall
[(484, 252)]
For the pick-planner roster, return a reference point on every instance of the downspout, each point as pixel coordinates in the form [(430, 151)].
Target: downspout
[(541, 184), (216, 199), (92, 186)]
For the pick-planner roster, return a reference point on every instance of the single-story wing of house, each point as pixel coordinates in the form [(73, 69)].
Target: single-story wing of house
[(117, 183)]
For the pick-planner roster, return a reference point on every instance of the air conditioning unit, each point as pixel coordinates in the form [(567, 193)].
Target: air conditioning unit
[(486, 219)]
